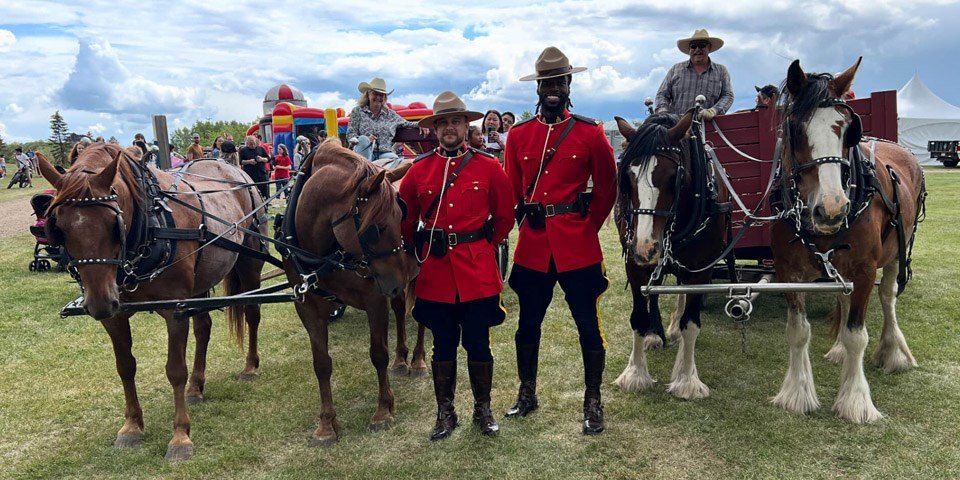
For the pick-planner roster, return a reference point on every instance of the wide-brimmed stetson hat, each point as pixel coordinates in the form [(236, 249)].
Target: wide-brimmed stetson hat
[(552, 63), (715, 43), (377, 85), (448, 104)]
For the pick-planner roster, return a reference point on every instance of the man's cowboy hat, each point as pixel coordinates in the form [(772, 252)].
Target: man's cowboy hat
[(448, 104), (715, 43), (552, 63), (377, 85)]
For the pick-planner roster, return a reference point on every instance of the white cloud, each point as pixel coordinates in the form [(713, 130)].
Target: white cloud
[(7, 40), (96, 129), (13, 109), (100, 82)]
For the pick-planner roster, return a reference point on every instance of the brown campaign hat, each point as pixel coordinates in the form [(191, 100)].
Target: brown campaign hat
[(448, 104), (715, 42), (552, 63)]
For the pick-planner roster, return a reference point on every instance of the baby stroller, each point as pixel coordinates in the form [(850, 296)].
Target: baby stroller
[(43, 252)]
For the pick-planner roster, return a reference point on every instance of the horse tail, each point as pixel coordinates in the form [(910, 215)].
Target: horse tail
[(234, 313)]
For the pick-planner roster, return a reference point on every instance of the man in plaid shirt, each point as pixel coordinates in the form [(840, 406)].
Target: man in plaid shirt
[(696, 76)]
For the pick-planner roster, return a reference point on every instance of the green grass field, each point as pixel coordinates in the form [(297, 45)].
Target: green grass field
[(61, 401)]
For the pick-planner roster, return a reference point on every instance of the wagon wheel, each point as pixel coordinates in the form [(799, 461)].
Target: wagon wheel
[(44, 265), (33, 266)]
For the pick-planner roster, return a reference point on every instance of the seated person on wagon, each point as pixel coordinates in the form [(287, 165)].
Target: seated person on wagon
[(373, 124)]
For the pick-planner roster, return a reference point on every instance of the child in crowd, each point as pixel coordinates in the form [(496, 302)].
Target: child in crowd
[(283, 166)]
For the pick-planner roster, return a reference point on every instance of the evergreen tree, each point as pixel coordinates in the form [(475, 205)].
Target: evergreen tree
[(3, 147), (58, 138)]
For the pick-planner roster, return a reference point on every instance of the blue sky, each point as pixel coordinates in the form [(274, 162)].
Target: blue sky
[(108, 66)]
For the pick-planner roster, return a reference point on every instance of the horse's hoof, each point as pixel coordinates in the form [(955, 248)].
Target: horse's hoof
[(195, 399), (129, 440), (400, 370), (327, 441), (248, 376), (381, 425), (179, 453), (419, 372)]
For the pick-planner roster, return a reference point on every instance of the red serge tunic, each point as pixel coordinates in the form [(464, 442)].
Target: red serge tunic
[(480, 191), (569, 238)]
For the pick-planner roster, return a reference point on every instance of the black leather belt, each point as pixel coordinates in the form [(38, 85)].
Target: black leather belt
[(559, 208), (454, 238)]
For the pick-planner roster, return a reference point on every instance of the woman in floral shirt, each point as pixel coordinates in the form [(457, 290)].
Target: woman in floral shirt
[(373, 125)]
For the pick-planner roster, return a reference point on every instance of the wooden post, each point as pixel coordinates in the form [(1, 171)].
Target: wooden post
[(163, 140)]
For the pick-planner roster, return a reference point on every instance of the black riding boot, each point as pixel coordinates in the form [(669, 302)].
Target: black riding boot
[(481, 379), (593, 363), (527, 356), (444, 384)]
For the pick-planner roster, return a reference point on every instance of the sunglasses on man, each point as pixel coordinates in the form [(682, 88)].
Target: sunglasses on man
[(699, 45)]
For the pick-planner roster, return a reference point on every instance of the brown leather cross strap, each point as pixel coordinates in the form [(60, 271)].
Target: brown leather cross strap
[(550, 153)]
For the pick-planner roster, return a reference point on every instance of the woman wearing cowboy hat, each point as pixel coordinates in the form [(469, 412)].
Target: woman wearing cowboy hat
[(696, 76), (373, 124), (462, 197)]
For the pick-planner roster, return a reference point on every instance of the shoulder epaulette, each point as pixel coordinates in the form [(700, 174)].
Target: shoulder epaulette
[(585, 119), (481, 152), (521, 122), (423, 155)]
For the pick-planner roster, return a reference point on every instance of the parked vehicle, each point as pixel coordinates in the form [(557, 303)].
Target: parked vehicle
[(945, 152)]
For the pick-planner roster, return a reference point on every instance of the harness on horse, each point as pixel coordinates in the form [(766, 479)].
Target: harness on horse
[(860, 186), (150, 246), (312, 267), (705, 205)]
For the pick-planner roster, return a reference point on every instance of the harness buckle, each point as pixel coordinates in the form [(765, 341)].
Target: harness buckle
[(452, 239), (551, 210)]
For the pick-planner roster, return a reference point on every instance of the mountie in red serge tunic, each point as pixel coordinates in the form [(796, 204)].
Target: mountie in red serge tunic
[(569, 238), (480, 191)]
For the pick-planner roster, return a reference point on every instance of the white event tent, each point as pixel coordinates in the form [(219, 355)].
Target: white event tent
[(924, 116)]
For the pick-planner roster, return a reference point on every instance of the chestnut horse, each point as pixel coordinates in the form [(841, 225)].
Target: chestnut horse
[(346, 207), (848, 204), (670, 205), (94, 216)]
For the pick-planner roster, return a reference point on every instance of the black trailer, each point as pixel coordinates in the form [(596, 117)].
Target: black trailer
[(945, 151)]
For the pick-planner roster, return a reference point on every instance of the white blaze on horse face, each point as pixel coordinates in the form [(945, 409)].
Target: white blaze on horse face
[(826, 140), (647, 247)]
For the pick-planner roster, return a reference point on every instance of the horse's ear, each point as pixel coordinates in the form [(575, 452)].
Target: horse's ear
[(399, 172), (679, 130), (372, 184), (625, 128), (48, 171), (796, 78), (841, 83), (104, 179), (74, 153)]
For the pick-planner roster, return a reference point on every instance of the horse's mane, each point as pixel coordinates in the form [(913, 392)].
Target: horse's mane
[(95, 157), (380, 201), (650, 137), (797, 111)]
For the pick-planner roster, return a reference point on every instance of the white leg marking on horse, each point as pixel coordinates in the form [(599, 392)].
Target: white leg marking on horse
[(854, 403), (685, 383), (893, 354), (635, 376), (798, 393), (673, 330), (652, 341), (836, 353)]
